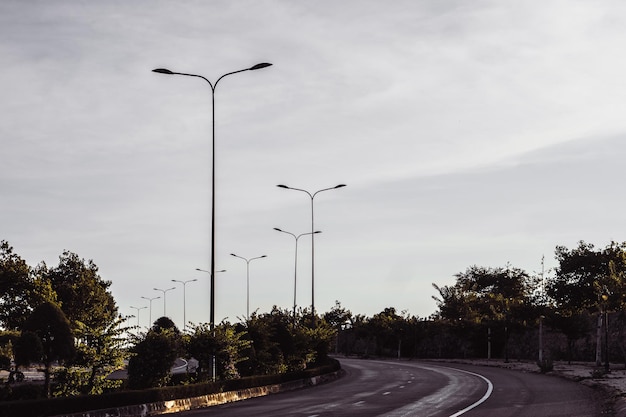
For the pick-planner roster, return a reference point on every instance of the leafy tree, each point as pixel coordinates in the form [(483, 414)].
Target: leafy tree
[(153, 356), (16, 285), (225, 343), (83, 295), (91, 309), (264, 356), (100, 353), (587, 281), (339, 318), (494, 297), (52, 328)]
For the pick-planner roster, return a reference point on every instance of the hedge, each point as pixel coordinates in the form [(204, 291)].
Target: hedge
[(70, 405)]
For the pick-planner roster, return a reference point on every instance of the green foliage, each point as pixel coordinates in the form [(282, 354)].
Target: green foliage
[(72, 381), (225, 342), (84, 296), (52, 328), (153, 356), (16, 286), (28, 348), (585, 275), (99, 352), (7, 340)]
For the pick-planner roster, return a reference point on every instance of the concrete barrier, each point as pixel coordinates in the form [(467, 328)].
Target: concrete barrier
[(174, 406)]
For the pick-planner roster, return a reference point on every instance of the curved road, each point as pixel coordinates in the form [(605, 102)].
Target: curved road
[(394, 389)]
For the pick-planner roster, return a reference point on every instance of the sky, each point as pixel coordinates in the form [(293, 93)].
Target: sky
[(468, 133)]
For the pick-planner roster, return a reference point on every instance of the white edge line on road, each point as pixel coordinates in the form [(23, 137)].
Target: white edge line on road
[(477, 403)]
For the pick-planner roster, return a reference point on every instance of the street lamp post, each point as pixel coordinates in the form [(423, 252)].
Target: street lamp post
[(248, 279), (150, 299), (164, 292), (185, 299), (138, 309), (213, 87), (295, 273), (605, 298), (312, 196)]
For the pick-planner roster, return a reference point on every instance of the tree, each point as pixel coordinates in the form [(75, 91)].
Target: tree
[(339, 318), (100, 353), (91, 309), (492, 297), (52, 328), (225, 343), (587, 281), (16, 285), (153, 357), (83, 295)]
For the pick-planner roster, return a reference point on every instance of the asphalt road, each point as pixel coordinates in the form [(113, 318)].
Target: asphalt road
[(391, 388)]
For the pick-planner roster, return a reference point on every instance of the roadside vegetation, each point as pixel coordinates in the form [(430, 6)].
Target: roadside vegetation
[(64, 321)]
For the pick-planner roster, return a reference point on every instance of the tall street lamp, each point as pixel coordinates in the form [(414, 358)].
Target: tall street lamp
[(164, 292), (312, 196), (295, 273), (150, 299), (248, 279), (213, 87), (138, 309), (185, 299)]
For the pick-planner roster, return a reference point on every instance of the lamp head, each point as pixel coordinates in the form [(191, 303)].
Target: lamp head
[(259, 66), (282, 186), (340, 185), (162, 71)]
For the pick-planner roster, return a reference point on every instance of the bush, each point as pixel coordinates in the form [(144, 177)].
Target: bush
[(545, 365)]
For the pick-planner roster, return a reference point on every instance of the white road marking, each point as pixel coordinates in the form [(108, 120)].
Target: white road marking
[(482, 400), (386, 392)]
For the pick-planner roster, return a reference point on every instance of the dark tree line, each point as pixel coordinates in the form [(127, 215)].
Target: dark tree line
[(497, 311), (65, 315)]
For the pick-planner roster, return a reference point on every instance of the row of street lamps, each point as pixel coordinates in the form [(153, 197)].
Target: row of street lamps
[(212, 254), (165, 291), (213, 86)]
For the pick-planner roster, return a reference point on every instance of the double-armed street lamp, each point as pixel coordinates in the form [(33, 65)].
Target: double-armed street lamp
[(150, 299), (213, 87), (208, 272), (138, 309), (295, 273), (248, 260), (185, 299), (164, 293), (312, 196)]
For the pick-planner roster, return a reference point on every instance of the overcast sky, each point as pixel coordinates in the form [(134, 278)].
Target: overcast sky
[(468, 133)]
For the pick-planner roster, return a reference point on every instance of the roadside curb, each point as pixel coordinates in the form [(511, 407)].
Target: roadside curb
[(185, 404)]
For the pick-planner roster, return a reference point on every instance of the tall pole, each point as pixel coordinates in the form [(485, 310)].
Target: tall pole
[(150, 299), (185, 299), (295, 272), (213, 87), (248, 279), (312, 196), (138, 309), (164, 292)]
